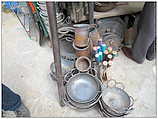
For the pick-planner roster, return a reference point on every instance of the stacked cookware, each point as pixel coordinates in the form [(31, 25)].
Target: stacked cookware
[(84, 88)]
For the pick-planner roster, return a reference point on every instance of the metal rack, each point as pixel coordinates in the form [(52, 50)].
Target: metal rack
[(55, 43)]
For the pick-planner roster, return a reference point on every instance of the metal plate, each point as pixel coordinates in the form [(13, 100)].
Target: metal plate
[(82, 88)]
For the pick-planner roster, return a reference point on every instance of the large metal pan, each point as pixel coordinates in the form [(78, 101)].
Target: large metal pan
[(78, 100), (82, 87)]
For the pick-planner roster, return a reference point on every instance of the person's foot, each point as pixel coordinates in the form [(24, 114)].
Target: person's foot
[(128, 53), (22, 111)]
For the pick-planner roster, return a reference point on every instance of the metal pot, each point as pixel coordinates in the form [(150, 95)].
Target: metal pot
[(84, 51), (82, 34), (83, 64)]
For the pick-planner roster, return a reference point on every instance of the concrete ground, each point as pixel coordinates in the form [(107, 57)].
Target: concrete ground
[(25, 68)]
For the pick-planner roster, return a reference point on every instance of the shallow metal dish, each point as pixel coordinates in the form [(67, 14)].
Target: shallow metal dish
[(82, 87)]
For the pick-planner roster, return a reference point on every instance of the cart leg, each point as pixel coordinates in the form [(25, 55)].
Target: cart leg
[(56, 49)]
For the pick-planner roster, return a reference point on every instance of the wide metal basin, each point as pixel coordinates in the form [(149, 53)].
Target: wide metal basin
[(82, 88)]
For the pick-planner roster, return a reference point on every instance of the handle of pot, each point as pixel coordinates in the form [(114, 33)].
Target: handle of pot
[(73, 73), (111, 80), (66, 75), (131, 101), (95, 72), (92, 26), (129, 110), (120, 85), (101, 106)]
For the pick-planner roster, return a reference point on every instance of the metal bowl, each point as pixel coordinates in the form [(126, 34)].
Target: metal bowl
[(82, 87), (77, 104), (116, 98)]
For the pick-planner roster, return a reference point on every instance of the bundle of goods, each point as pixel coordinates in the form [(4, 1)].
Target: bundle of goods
[(104, 54)]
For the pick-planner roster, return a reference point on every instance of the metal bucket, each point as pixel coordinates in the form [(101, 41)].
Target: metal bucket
[(83, 64)]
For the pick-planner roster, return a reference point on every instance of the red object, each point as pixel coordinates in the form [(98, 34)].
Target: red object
[(32, 7)]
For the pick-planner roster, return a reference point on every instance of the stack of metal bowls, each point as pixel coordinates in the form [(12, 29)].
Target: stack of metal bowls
[(82, 90), (115, 102)]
